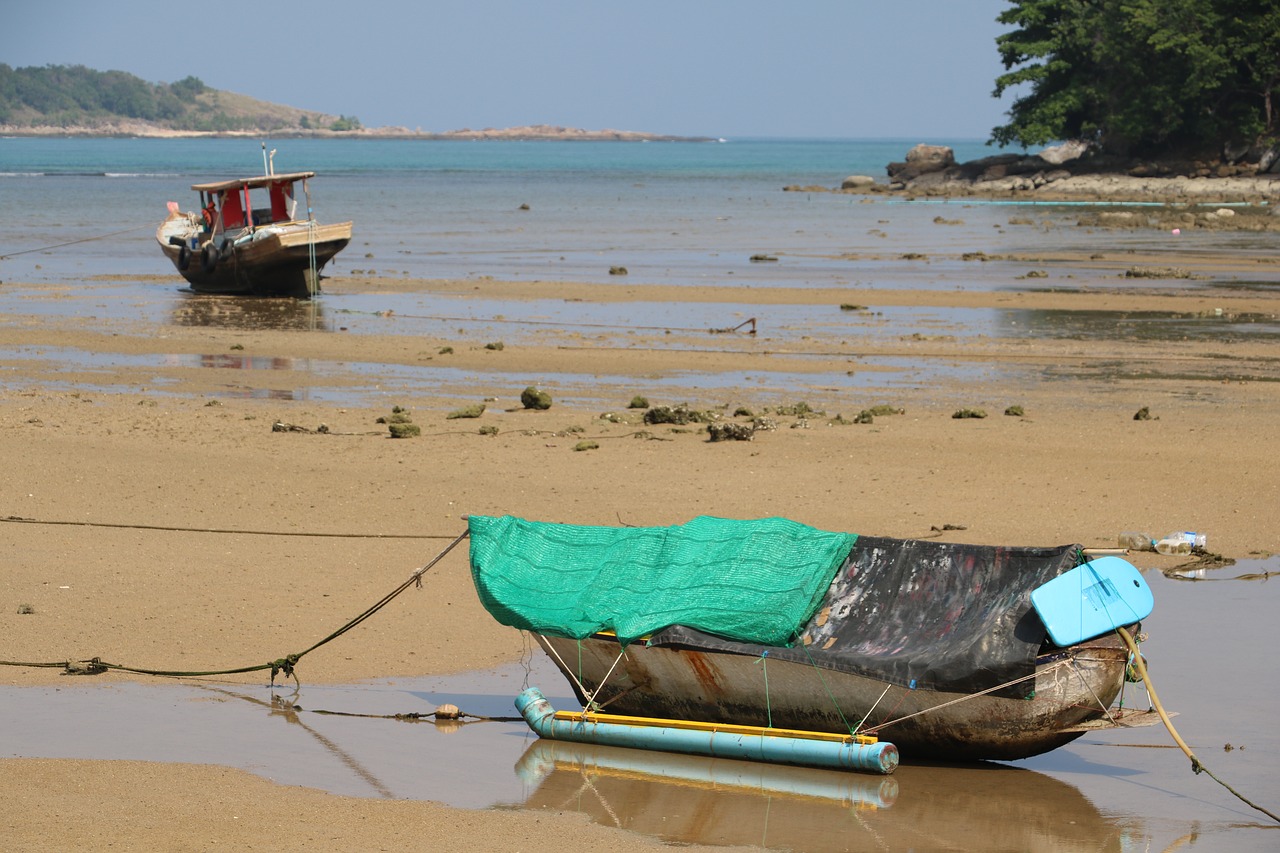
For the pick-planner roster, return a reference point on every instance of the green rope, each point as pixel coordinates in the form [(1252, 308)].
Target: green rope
[(286, 664), (763, 660), (835, 704)]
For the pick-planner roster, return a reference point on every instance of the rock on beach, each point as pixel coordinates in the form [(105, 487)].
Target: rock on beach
[(1071, 171)]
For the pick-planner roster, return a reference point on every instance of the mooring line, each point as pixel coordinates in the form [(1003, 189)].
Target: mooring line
[(74, 242), (286, 664), (1196, 766), (16, 519), (965, 698)]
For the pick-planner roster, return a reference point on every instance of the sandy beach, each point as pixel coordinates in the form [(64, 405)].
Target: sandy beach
[(158, 522)]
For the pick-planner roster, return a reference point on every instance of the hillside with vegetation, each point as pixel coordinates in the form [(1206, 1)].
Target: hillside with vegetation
[(72, 100), (76, 99)]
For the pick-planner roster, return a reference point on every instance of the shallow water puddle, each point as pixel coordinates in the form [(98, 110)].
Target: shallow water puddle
[(282, 733), (1208, 651), (370, 383)]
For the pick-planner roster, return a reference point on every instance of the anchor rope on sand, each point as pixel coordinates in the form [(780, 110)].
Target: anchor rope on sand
[(445, 711), (16, 519), (8, 255), (286, 664), (1197, 766)]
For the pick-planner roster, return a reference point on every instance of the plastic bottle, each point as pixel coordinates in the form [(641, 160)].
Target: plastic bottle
[(1173, 545), (1181, 542), (1135, 541)]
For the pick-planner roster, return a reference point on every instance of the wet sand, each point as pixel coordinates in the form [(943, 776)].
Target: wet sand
[(156, 519)]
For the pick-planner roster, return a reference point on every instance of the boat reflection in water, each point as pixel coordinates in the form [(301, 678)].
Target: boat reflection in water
[(250, 314), (687, 799)]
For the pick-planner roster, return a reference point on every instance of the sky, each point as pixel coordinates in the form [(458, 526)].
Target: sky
[(915, 69)]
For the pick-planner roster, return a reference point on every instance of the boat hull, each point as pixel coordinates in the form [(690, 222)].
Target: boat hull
[(277, 262), (1072, 686)]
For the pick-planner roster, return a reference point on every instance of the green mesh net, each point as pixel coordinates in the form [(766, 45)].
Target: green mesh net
[(753, 581)]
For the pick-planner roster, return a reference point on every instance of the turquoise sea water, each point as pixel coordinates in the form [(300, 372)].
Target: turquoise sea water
[(680, 213), (770, 160), (668, 211)]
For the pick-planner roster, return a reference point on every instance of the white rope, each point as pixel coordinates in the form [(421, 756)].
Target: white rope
[(1057, 665), (873, 708), (1089, 687), (592, 698), (588, 785)]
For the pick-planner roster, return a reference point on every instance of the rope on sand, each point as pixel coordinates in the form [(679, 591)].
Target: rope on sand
[(442, 713), (1196, 766), (8, 255), (15, 519), (286, 664)]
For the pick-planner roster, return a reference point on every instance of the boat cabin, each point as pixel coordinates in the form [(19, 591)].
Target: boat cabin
[(229, 205)]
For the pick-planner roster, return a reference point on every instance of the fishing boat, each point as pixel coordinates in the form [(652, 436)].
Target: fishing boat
[(232, 247), (939, 648)]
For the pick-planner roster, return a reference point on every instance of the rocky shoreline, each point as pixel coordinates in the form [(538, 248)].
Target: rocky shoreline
[(1062, 174)]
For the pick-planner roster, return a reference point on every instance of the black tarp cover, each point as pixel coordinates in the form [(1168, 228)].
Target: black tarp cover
[(921, 614)]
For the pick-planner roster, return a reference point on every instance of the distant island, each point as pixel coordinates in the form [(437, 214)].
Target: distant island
[(62, 100)]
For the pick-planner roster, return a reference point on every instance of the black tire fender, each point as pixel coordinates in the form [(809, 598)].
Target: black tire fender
[(208, 257), (184, 258)]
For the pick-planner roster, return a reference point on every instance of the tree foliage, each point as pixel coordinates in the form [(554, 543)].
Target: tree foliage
[(1141, 77), (74, 93), (345, 123)]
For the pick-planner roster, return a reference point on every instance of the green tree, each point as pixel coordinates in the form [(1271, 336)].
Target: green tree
[(187, 88), (1141, 77), (8, 92), (126, 95), (345, 123)]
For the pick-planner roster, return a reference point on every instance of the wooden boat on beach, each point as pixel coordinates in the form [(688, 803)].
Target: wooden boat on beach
[(233, 247), (935, 647), (1072, 687)]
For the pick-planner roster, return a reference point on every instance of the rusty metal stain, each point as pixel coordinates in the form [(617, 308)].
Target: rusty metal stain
[(705, 673)]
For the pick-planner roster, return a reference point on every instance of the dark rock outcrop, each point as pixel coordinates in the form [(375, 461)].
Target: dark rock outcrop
[(1074, 170)]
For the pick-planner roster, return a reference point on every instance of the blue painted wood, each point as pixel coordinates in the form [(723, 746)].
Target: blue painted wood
[(1092, 599)]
